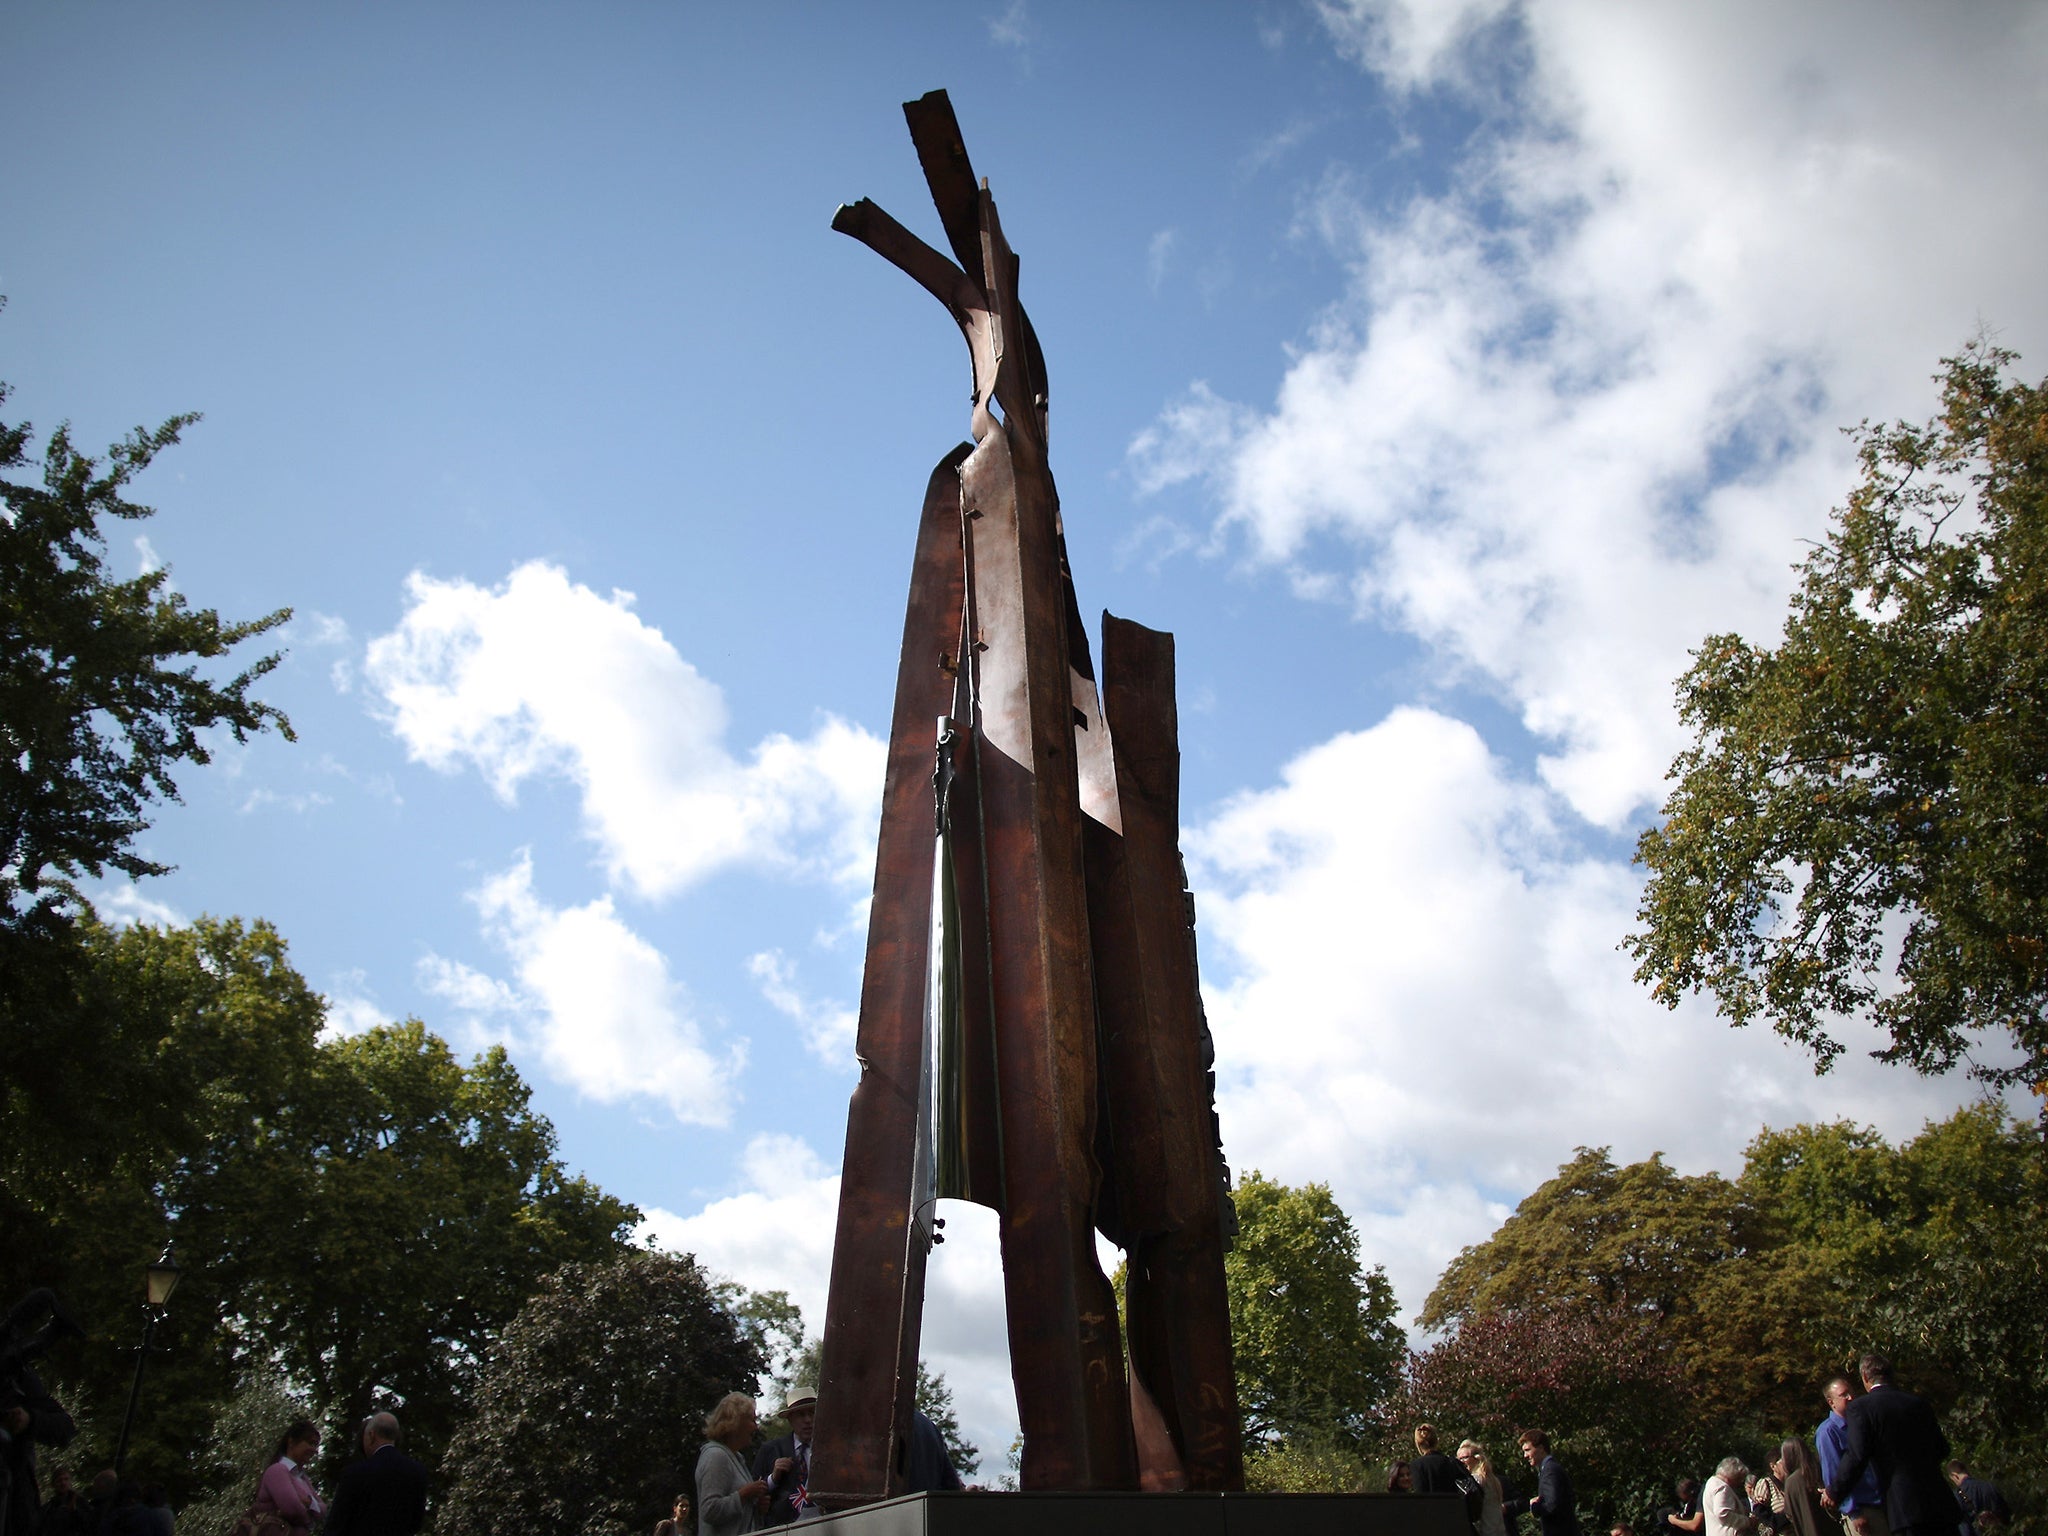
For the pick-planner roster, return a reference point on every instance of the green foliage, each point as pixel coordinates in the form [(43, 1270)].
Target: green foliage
[(96, 710), (1876, 781), (425, 1205), (362, 1214), (1318, 1344), (147, 1083), (935, 1401), (1635, 1237), (775, 1326), (1307, 1464), (590, 1412), (1752, 1293)]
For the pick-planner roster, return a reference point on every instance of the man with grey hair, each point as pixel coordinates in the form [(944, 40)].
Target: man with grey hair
[(1726, 1509), (384, 1494)]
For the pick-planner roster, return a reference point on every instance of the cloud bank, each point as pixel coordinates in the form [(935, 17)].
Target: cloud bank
[(543, 676)]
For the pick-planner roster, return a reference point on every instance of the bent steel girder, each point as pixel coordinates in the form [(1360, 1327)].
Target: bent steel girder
[(868, 1363), (1168, 1185), (1066, 1347), (1030, 1019)]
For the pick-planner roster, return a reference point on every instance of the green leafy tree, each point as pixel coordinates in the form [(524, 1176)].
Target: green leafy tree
[(1693, 1256), (1312, 1464), (1936, 1252), (1861, 825), (590, 1411), (427, 1205), (174, 1051), (359, 1216), (101, 695), (775, 1325), (1319, 1346), (935, 1401), (1754, 1291)]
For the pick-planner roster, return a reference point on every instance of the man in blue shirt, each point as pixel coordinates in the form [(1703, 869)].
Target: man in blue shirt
[(1863, 1508)]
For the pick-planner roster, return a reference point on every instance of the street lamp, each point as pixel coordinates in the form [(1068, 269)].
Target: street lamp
[(158, 1281)]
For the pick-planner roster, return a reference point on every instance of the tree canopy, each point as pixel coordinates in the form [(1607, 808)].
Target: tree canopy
[(101, 695), (1732, 1301), (1861, 824), (357, 1216), (1318, 1342), (590, 1411)]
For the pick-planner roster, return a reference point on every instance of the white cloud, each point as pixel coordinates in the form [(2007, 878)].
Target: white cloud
[(297, 802), (1012, 27), (1579, 411), (352, 1009), (774, 1233), (1159, 256), (827, 1029), (1424, 1005), (125, 906), (542, 676), (594, 998)]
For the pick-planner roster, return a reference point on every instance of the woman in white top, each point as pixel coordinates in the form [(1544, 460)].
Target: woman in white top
[(729, 1499), (1472, 1456)]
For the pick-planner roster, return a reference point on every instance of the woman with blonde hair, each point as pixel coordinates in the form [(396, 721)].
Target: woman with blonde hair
[(1473, 1458), (730, 1502)]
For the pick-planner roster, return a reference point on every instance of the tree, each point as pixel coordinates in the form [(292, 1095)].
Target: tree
[(427, 1205), (1753, 1292), (96, 710), (1692, 1257), (935, 1401), (1318, 1343), (358, 1217), (168, 1051), (590, 1411), (1861, 824), (1636, 1238)]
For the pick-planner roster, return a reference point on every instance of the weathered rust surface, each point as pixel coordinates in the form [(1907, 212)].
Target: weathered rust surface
[(868, 1367), (1079, 1042), (1065, 1350), (1167, 1173)]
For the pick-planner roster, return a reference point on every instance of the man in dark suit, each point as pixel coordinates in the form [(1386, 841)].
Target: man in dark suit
[(1554, 1507), (384, 1494), (1895, 1432), (784, 1463)]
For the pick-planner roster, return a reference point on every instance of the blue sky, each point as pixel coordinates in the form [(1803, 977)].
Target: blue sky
[(1438, 373)]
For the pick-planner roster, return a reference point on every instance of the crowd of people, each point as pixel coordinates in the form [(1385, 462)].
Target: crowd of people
[(739, 1487), (1879, 1465), (735, 1496), (382, 1494)]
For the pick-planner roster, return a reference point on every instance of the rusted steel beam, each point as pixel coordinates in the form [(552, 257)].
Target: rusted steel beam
[(868, 1368), (1166, 1203), (1065, 1351)]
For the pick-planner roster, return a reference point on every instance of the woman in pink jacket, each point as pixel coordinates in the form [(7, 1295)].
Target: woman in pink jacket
[(286, 1488)]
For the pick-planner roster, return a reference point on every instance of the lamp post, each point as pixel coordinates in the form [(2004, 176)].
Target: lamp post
[(158, 1281)]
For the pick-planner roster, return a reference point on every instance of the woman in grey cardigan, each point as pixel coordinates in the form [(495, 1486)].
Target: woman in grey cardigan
[(729, 1498)]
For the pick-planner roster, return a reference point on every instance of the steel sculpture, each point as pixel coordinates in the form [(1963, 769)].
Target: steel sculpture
[(1031, 1034)]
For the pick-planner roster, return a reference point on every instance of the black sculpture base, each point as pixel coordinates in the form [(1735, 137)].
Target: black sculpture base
[(1152, 1514)]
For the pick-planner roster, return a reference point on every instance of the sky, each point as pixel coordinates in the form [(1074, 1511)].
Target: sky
[(1440, 373)]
